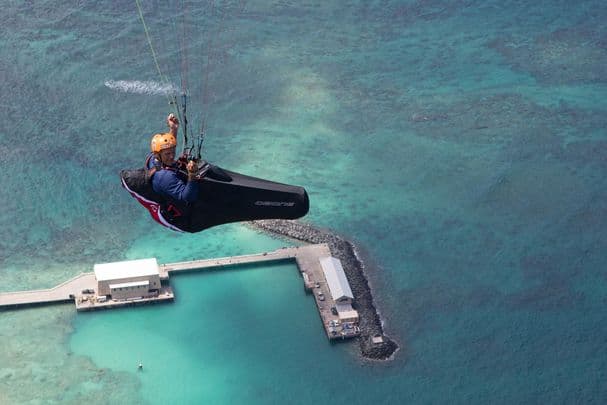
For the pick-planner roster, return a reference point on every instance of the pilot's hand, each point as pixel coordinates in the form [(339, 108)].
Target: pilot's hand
[(172, 121), (192, 167)]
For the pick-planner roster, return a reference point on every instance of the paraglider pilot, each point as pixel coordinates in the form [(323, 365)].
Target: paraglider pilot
[(179, 187)]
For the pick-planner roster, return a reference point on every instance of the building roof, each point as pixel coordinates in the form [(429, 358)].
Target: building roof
[(336, 278), (126, 269), (350, 315), (345, 311)]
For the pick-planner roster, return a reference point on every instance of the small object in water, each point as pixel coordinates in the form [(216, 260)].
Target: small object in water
[(140, 367)]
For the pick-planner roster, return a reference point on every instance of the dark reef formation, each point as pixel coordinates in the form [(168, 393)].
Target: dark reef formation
[(374, 344)]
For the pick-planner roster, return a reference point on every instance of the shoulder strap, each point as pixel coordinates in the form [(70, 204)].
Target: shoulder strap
[(149, 172), (148, 158)]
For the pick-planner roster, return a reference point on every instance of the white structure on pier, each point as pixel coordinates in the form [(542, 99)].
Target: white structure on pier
[(339, 288), (129, 279)]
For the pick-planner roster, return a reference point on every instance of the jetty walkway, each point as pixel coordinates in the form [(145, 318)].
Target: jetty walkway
[(303, 255), (85, 283), (81, 289), (64, 292)]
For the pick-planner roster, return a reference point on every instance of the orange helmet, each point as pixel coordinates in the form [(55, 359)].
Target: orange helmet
[(162, 141)]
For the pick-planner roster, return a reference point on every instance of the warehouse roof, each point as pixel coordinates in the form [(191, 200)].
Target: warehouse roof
[(126, 269), (336, 278)]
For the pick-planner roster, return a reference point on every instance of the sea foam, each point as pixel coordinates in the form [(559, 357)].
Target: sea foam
[(141, 87)]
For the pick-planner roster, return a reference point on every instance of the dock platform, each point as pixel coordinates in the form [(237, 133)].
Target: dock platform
[(81, 289), (90, 302)]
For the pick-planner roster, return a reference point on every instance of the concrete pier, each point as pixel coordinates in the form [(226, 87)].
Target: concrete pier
[(82, 289), (64, 292)]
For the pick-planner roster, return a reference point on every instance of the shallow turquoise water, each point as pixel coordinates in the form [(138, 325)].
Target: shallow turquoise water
[(461, 144)]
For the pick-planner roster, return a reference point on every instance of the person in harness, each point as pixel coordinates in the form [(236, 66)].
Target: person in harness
[(184, 198), (180, 188)]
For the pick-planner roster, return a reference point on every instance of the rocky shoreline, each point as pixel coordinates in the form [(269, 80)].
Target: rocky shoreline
[(374, 344)]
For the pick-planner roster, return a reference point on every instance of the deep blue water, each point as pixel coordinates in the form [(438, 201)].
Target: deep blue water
[(460, 144)]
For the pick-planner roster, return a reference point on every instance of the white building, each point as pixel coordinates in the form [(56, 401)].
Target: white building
[(128, 279), (339, 288), (346, 313)]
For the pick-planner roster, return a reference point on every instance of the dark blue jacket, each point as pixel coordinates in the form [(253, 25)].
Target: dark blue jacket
[(172, 184)]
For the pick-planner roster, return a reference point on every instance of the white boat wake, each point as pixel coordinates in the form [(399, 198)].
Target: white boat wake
[(139, 87)]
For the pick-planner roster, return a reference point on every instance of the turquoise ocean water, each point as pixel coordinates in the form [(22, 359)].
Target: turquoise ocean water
[(461, 144)]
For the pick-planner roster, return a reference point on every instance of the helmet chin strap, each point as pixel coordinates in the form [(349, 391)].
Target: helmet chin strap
[(159, 157)]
